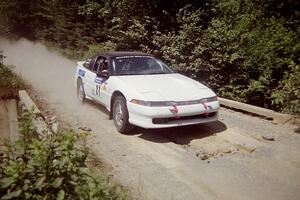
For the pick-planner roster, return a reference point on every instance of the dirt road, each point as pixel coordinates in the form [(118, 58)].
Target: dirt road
[(227, 159)]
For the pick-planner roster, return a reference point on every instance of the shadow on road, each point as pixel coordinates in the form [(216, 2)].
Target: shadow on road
[(97, 106), (297, 130), (180, 135)]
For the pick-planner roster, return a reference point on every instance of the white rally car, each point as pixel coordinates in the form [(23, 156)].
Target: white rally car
[(139, 89)]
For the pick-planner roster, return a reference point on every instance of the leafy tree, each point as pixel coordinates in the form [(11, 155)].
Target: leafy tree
[(244, 49), (243, 53), (287, 94)]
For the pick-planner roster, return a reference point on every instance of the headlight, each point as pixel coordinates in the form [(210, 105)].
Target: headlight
[(210, 99), (172, 103), (140, 102), (153, 103)]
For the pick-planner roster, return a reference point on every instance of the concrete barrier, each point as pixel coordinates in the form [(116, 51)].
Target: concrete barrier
[(277, 117), (8, 120), (27, 104)]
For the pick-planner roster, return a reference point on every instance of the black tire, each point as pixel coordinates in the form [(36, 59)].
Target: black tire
[(121, 117), (80, 91)]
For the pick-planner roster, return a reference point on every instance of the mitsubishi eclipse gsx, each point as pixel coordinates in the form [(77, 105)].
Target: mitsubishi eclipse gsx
[(139, 89)]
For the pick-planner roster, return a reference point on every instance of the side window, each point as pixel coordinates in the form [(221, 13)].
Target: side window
[(154, 65), (101, 65), (89, 63)]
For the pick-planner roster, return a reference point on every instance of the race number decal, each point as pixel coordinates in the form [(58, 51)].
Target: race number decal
[(98, 90), (98, 81)]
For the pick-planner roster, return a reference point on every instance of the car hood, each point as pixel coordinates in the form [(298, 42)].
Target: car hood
[(167, 87)]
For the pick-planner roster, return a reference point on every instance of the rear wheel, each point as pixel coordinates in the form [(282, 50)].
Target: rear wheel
[(80, 91), (120, 115)]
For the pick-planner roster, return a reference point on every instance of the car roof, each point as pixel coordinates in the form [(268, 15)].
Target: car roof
[(124, 53)]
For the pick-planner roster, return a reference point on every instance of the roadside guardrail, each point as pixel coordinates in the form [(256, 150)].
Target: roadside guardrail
[(27, 104), (277, 117)]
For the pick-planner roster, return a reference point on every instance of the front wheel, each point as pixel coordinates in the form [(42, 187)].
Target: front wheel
[(120, 115)]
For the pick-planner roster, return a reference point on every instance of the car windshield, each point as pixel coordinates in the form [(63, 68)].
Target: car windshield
[(139, 65)]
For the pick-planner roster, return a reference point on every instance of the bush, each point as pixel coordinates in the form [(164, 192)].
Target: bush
[(50, 167), (243, 52), (94, 49), (10, 83), (8, 79), (288, 93), (240, 48)]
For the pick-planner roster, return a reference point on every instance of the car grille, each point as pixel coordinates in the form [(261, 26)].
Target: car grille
[(170, 119)]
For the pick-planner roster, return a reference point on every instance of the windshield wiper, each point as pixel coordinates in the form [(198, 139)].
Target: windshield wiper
[(159, 73), (128, 74)]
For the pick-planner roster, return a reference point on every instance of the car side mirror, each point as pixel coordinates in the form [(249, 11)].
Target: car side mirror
[(86, 64), (103, 73)]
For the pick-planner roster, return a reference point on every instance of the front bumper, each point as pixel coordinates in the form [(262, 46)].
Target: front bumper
[(162, 117)]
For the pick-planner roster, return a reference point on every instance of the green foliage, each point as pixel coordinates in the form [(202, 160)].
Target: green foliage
[(258, 47), (51, 167), (178, 48), (95, 49), (8, 79), (243, 49), (243, 53), (134, 37), (288, 93)]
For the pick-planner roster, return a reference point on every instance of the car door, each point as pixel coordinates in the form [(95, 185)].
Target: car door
[(89, 75), (100, 75), (105, 90)]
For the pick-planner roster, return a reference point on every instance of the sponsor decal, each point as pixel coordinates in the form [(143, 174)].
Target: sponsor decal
[(174, 111), (141, 56), (104, 88), (207, 108), (100, 85), (99, 80), (81, 73)]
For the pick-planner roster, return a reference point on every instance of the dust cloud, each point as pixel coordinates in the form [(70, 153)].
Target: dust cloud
[(51, 74)]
